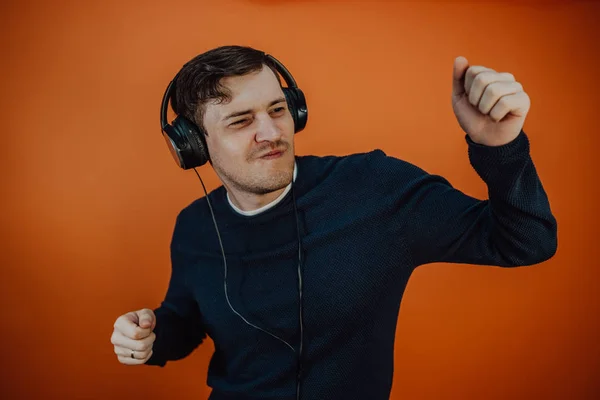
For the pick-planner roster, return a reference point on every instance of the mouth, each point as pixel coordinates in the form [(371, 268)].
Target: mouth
[(273, 154)]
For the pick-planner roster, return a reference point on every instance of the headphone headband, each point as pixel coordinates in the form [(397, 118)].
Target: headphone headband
[(165, 103), (283, 71)]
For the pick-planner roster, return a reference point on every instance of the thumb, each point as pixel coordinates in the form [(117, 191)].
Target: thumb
[(461, 64), (146, 318)]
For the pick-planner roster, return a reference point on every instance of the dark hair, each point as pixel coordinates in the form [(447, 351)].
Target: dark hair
[(199, 79)]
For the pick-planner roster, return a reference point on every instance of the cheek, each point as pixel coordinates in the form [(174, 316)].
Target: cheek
[(287, 125), (233, 147)]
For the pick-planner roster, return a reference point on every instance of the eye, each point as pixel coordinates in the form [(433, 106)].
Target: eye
[(239, 122), (279, 109)]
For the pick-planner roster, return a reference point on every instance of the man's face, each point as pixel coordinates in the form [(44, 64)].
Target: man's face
[(251, 138)]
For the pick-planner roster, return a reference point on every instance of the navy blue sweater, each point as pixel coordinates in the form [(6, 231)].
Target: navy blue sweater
[(366, 222)]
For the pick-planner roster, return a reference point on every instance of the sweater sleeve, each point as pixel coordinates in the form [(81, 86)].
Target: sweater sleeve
[(438, 223), (178, 321)]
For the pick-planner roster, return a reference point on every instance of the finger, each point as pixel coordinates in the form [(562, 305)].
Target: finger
[(118, 339), (458, 75), (494, 91), (124, 352), (516, 104), (128, 325), (472, 73), (146, 318), (133, 361), (483, 80)]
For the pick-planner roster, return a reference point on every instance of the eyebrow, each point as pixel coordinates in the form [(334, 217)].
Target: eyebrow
[(244, 112)]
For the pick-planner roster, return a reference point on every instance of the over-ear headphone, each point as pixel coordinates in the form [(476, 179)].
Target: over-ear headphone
[(186, 141)]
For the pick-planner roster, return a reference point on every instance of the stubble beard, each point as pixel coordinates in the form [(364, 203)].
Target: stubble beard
[(267, 182)]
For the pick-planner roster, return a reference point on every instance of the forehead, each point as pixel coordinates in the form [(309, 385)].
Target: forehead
[(252, 90)]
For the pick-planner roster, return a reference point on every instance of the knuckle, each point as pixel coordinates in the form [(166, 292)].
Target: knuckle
[(472, 99), (116, 338), (137, 334), (150, 341), (526, 100), (520, 86), (141, 345), (120, 322), (482, 108), (493, 89), (485, 78), (148, 356)]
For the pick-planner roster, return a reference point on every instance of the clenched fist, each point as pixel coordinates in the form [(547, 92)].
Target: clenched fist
[(490, 106), (133, 336)]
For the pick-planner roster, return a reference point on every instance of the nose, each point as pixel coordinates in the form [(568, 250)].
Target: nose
[(267, 130)]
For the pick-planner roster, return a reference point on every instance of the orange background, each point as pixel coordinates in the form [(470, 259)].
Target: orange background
[(90, 192)]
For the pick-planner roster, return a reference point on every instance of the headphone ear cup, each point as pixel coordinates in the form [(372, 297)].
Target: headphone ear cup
[(175, 144), (297, 105), (195, 153)]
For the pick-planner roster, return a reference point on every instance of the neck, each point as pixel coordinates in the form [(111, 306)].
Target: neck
[(250, 202)]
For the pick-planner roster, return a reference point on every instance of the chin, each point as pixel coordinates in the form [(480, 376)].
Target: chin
[(266, 176), (274, 180)]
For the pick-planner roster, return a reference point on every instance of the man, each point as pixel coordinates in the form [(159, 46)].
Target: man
[(302, 298)]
